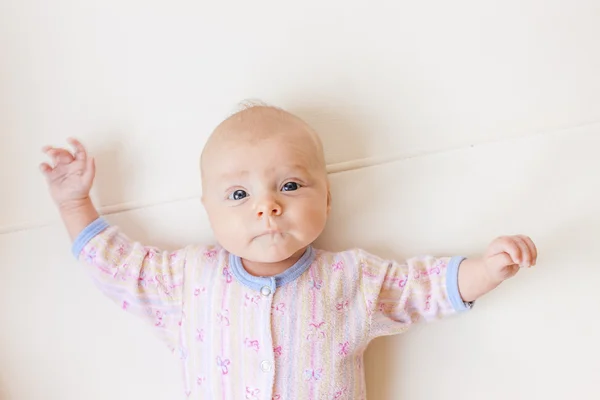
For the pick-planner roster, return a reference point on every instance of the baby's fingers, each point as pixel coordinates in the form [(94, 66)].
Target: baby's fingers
[(526, 257), (49, 172), (520, 248), (505, 244), (531, 248), (80, 151), (59, 156), (45, 168), (512, 248)]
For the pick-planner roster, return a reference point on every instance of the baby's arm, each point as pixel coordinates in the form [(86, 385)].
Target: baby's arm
[(144, 281), (400, 294)]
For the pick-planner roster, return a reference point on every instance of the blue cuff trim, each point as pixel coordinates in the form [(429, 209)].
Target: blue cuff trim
[(88, 234), (452, 285)]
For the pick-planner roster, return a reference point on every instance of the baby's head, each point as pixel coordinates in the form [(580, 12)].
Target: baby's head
[(264, 184)]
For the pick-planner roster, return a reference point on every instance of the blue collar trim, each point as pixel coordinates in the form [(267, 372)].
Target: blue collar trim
[(273, 282)]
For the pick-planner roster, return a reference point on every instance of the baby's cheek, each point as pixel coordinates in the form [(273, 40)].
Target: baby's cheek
[(229, 232), (314, 221)]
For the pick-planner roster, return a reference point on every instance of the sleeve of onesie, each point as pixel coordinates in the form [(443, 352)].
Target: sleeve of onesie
[(143, 281), (400, 294)]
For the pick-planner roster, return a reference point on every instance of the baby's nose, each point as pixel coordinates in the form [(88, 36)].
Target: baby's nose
[(268, 208)]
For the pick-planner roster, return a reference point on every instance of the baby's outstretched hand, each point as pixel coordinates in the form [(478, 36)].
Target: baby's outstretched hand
[(71, 177), (507, 254)]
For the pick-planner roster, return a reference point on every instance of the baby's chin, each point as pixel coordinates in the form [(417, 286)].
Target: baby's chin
[(270, 253)]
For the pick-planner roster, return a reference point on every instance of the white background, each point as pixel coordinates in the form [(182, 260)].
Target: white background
[(445, 125)]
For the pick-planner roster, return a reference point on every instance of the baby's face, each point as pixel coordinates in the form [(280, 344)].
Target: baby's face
[(265, 191)]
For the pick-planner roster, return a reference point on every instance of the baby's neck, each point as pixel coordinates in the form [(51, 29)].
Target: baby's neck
[(271, 269)]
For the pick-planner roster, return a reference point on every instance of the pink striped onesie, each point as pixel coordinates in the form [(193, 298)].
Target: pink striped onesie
[(297, 335)]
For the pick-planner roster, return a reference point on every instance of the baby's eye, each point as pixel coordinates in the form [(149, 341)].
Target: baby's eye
[(238, 195), (290, 186)]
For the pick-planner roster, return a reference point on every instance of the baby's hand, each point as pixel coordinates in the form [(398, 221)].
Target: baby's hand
[(507, 254), (70, 180)]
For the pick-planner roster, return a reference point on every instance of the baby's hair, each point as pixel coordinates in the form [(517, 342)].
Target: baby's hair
[(256, 104), (247, 104), (245, 109)]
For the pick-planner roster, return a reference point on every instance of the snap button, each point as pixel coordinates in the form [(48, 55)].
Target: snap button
[(265, 366), (265, 290)]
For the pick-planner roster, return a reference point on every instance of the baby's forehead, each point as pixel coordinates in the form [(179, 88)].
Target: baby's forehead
[(260, 123), (263, 128), (257, 129), (266, 153)]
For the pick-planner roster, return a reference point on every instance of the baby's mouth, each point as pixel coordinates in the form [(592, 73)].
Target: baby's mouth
[(270, 233)]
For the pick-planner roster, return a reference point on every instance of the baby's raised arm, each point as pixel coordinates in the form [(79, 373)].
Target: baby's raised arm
[(142, 280)]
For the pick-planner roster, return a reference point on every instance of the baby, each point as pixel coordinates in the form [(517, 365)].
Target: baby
[(263, 314)]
